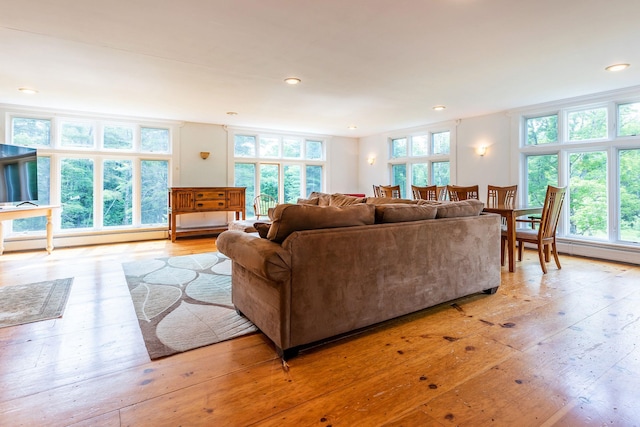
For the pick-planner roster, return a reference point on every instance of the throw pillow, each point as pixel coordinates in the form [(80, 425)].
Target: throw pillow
[(288, 218), (403, 212), (313, 201), (470, 207), (323, 198), (338, 199), (262, 228)]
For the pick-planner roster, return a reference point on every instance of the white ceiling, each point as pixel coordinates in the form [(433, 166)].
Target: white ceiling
[(378, 64)]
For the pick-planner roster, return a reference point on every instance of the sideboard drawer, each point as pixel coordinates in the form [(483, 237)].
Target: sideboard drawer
[(210, 195), (210, 204)]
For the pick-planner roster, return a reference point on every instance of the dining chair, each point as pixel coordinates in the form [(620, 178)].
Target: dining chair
[(545, 235), (443, 194), (377, 191), (262, 203), (392, 191), (457, 193), (501, 195), (429, 192)]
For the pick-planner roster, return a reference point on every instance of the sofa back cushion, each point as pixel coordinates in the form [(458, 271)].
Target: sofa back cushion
[(388, 200), (288, 218), (338, 199), (469, 207), (402, 212)]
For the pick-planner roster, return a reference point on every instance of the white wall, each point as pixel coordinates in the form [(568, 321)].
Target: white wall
[(190, 170), (470, 168), (343, 165), (493, 132)]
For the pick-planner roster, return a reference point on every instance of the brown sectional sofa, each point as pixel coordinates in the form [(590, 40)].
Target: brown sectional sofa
[(323, 271)]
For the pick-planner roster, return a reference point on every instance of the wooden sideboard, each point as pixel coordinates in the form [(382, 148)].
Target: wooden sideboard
[(188, 200)]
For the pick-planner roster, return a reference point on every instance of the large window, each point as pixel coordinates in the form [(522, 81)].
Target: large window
[(420, 159), (104, 174), (286, 167), (594, 150)]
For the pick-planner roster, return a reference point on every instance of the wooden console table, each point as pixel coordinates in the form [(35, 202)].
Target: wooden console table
[(8, 213), (185, 200)]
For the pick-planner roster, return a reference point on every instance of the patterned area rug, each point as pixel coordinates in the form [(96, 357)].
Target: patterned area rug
[(184, 302), (33, 302)]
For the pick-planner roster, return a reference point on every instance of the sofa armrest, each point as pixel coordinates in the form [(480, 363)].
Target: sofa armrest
[(260, 256)]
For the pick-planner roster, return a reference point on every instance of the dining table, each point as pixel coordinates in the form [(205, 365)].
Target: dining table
[(511, 211)]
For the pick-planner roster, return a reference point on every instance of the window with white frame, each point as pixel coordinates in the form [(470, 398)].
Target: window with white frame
[(286, 167), (420, 159), (106, 175), (594, 150)]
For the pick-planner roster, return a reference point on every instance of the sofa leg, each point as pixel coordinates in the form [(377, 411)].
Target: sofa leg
[(288, 353), (491, 291)]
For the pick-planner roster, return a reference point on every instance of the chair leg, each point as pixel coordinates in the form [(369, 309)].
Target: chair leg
[(520, 245), (541, 256), (554, 249), (503, 243)]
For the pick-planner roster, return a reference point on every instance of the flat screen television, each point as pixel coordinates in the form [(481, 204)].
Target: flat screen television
[(18, 174)]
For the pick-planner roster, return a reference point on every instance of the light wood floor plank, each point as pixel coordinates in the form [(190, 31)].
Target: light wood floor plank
[(555, 349)]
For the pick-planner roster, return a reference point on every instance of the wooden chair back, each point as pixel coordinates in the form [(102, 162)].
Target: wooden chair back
[(377, 191), (443, 194), (551, 213), (457, 193), (429, 192), (501, 195), (391, 191), (262, 203), (545, 237)]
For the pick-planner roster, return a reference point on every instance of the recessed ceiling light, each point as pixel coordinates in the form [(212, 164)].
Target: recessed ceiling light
[(352, 127), (439, 107), (27, 90), (617, 67), (292, 80), (232, 113)]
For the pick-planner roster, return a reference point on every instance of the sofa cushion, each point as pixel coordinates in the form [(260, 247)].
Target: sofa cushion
[(403, 212), (338, 199), (388, 200), (288, 218), (469, 207)]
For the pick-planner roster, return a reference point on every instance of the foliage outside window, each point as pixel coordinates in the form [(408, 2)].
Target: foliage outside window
[(581, 153), (588, 194), (77, 135), (441, 142), (91, 185), (420, 160), (629, 161), (629, 119), (284, 167), (587, 124), (118, 137), (542, 130), (541, 170)]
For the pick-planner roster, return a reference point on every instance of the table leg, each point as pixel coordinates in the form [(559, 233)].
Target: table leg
[(1, 239), (511, 240), (49, 232)]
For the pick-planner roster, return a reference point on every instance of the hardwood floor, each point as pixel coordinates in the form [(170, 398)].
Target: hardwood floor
[(559, 349)]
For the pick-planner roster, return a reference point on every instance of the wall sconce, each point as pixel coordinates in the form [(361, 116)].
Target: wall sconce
[(204, 155), (482, 150), (371, 160)]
